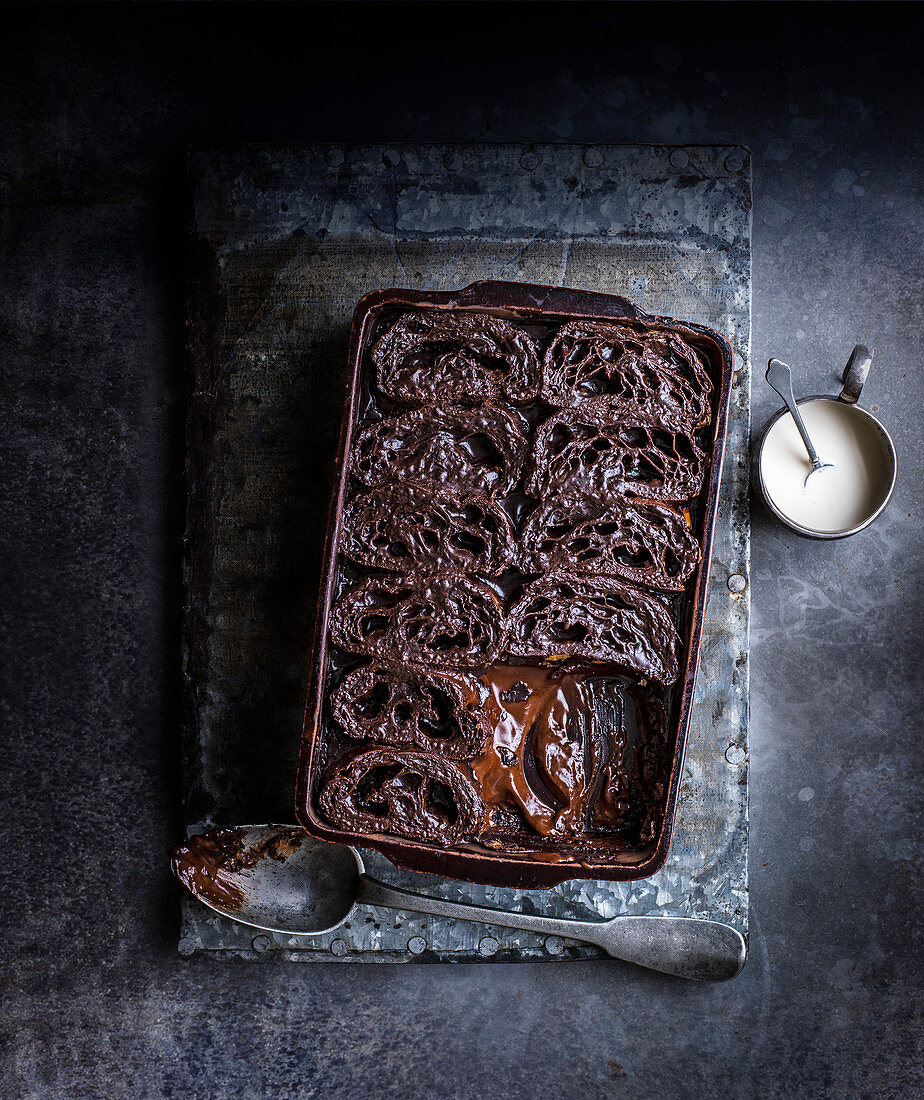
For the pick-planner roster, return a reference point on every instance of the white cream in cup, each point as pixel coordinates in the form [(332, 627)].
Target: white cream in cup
[(847, 496)]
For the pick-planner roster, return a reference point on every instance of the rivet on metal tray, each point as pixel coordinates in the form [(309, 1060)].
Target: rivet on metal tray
[(339, 947), (453, 162), (334, 157), (736, 583), (186, 948), (488, 945), (261, 944), (529, 161), (680, 158), (554, 945), (734, 754), (416, 944), (391, 157), (734, 162), (593, 158)]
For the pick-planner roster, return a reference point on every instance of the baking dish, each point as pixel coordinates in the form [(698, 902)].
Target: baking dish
[(531, 305)]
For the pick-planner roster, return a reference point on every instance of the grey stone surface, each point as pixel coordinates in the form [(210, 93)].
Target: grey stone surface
[(96, 104)]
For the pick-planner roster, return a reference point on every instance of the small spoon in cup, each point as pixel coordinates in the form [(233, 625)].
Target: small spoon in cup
[(779, 375)]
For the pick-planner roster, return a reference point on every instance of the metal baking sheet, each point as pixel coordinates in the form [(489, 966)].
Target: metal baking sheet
[(285, 240)]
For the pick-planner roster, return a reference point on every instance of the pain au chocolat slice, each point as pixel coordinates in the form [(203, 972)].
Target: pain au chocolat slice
[(465, 451), (640, 541), (409, 794), (425, 709), (595, 618), (456, 357), (589, 359), (404, 526), (605, 448), (441, 621)]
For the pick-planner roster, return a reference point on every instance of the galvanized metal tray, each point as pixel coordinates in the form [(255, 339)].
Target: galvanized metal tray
[(284, 241)]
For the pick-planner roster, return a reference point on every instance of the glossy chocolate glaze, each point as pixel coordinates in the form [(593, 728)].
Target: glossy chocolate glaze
[(478, 450), (401, 526), (606, 448), (433, 710), (461, 358), (443, 621), (597, 619), (416, 795), (654, 369), (642, 542)]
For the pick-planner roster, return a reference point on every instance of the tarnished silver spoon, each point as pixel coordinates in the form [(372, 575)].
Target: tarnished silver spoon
[(280, 879), (779, 375)]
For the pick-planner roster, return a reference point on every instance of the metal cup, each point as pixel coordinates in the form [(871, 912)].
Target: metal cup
[(854, 377)]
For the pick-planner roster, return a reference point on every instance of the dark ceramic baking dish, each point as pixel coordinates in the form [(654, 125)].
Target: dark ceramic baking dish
[(529, 304)]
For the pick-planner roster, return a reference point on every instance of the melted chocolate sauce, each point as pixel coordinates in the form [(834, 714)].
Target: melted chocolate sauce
[(541, 757)]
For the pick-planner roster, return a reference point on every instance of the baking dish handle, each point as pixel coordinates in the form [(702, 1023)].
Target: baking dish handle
[(527, 298)]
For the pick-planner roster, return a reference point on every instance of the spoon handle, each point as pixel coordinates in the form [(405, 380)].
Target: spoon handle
[(779, 376), (704, 950), (374, 892)]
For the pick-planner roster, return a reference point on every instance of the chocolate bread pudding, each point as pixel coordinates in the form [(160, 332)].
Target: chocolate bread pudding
[(514, 585), (514, 539)]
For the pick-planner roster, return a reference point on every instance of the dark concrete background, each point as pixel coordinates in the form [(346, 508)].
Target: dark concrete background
[(96, 105)]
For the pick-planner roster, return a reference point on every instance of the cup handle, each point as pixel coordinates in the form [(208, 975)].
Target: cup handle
[(855, 374)]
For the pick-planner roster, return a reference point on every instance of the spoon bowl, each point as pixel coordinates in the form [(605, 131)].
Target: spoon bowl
[(280, 879), (273, 877), (817, 470)]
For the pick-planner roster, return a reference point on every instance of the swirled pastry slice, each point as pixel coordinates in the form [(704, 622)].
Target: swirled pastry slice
[(408, 794), (462, 451), (640, 541), (432, 356), (404, 527), (653, 369), (425, 709), (596, 618), (445, 621), (607, 448)]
